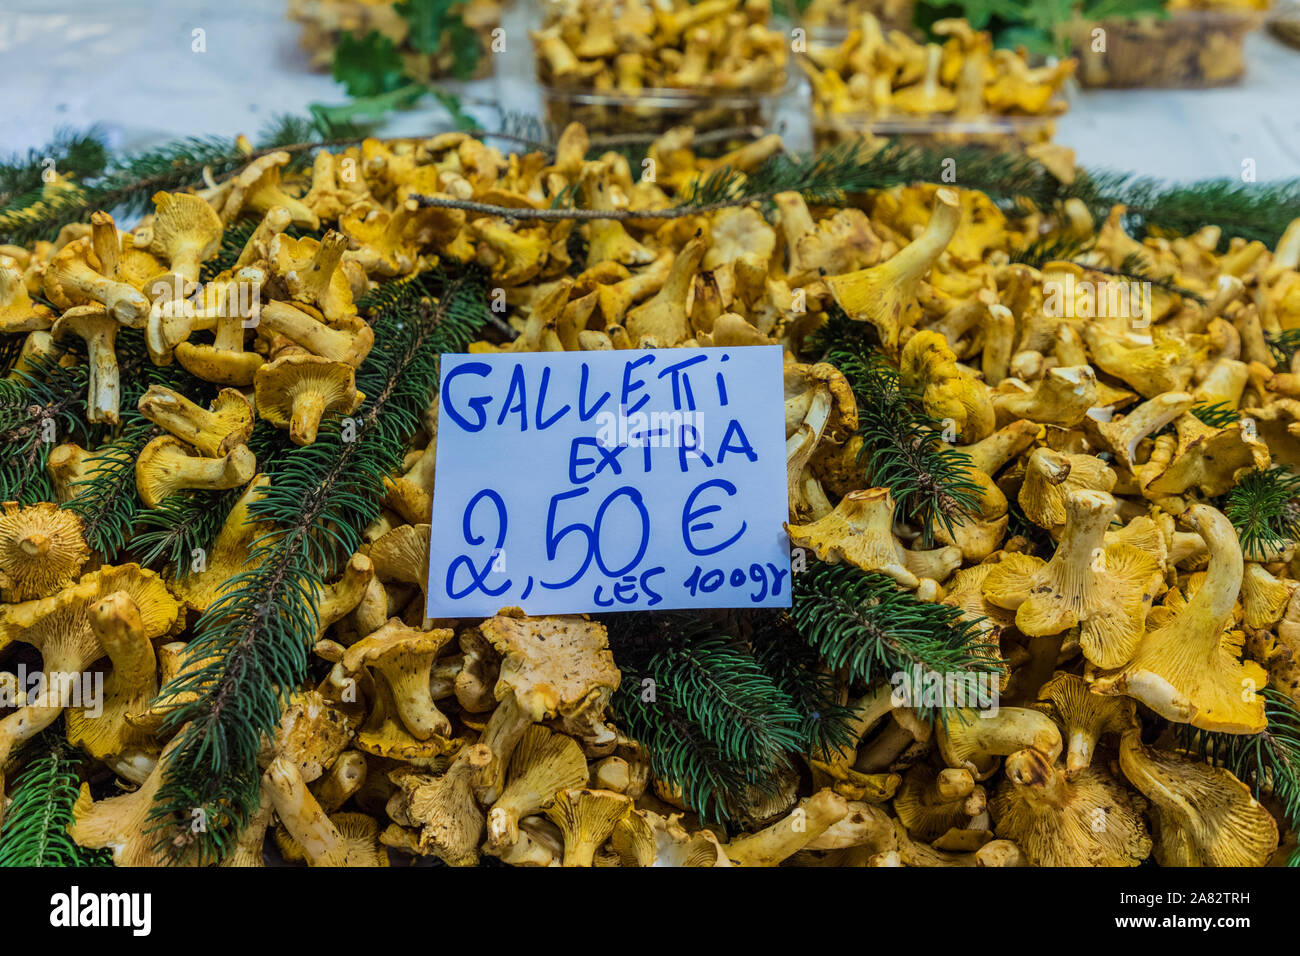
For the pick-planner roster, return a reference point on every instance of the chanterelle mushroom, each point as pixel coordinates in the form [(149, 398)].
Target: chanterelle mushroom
[(1107, 589), (543, 763), (214, 431), (404, 657), (1085, 716), (41, 550), (1202, 815), (551, 666), (1189, 669), (886, 294), (99, 330), (185, 232), (296, 391), (167, 465), (1087, 820)]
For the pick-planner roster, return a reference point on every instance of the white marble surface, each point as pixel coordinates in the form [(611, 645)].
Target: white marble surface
[(129, 65)]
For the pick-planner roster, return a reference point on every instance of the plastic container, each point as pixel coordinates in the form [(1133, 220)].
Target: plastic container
[(654, 111), (1190, 49), (1000, 133)]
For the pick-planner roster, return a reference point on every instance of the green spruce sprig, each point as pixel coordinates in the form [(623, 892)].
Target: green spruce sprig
[(901, 444), (1216, 415), (44, 405), (126, 184), (71, 153), (1264, 507), (254, 639), (35, 831), (1283, 344), (714, 726), (864, 623), (794, 667)]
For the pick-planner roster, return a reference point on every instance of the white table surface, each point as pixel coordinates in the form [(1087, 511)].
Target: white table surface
[(128, 65)]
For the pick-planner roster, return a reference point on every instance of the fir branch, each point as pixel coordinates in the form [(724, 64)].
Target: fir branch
[(36, 822), (128, 183), (1217, 415), (1283, 344), (864, 623), (255, 637), (44, 405), (793, 666), (1268, 762), (714, 725), (1264, 508), (107, 500), (901, 444), (70, 154)]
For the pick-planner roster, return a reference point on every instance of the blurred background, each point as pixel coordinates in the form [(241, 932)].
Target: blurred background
[(152, 71)]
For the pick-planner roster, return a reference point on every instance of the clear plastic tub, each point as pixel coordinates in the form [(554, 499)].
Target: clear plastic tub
[(653, 111), (1189, 49), (1001, 133)]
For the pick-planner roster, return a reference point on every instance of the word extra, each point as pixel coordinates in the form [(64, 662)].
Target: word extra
[(573, 482)]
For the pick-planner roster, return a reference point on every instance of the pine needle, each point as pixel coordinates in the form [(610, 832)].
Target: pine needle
[(863, 622), (1264, 507), (36, 821)]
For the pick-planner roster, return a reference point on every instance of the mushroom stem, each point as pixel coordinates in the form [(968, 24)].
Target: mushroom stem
[(303, 816), (121, 631), (504, 728), (308, 407), (316, 337), (809, 820)]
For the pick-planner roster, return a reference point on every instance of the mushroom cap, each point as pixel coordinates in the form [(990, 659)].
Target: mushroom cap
[(402, 554), (542, 764), (1085, 821), (17, 311), (404, 657), (186, 230), (1085, 716), (311, 734), (41, 550), (554, 665), (1201, 814), (161, 468), (586, 818), (1107, 589), (858, 531), (59, 625), (294, 392), (923, 809), (229, 423)]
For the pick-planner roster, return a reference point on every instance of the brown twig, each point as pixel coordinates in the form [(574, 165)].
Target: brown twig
[(560, 215)]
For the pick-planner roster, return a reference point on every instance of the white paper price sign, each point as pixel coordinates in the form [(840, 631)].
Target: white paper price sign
[(610, 481)]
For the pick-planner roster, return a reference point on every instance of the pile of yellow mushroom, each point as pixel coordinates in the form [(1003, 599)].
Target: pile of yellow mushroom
[(873, 75), (639, 65), (456, 739)]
